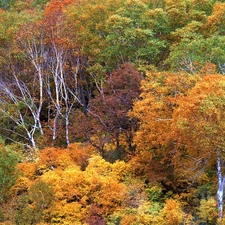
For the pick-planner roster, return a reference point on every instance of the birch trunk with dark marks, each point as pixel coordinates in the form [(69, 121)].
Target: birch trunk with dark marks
[(221, 181)]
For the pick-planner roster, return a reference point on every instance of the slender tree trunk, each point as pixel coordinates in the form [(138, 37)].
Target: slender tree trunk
[(54, 129), (67, 129), (220, 191)]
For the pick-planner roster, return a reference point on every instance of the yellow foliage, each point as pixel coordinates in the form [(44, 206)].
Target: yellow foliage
[(172, 213), (99, 185), (67, 213), (117, 170), (110, 194), (143, 214), (208, 211), (22, 185), (28, 169), (65, 183)]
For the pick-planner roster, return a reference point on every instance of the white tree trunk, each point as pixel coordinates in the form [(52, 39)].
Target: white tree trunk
[(220, 190)]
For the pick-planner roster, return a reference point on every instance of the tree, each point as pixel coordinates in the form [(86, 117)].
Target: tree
[(215, 22), (32, 206), (177, 13), (198, 126), (108, 120), (18, 106), (155, 107), (67, 84), (153, 111), (56, 83), (193, 50), (122, 34), (80, 196), (16, 92)]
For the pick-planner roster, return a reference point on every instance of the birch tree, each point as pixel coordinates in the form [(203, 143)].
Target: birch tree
[(18, 106), (59, 91)]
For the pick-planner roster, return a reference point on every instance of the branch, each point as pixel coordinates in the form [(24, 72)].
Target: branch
[(197, 175)]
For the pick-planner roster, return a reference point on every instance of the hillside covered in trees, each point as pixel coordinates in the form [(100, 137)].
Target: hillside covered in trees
[(112, 112)]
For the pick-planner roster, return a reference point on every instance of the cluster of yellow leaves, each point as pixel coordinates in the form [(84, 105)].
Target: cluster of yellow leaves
[(84, 185), (62, 191)]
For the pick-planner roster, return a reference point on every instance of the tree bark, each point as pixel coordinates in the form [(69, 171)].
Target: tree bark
[(220, 190)]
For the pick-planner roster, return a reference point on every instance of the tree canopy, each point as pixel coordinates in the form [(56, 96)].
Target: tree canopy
[(112, 112)]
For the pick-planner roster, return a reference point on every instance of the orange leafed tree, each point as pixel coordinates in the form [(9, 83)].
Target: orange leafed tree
[(154, 109), (154, 112), (199, 127)]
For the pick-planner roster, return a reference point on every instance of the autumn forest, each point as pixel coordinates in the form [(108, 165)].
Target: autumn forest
[(112, 112)]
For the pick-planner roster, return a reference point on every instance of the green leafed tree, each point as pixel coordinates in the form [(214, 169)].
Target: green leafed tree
[(8, 172)]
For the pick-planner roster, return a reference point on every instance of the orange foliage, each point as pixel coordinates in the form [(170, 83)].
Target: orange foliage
[(54, 24), (155, 109), (54, 157), (51, 158), (209, 68), (216, 20), (128, 219), (28, 169), (199, 119), (80, 153), (56, 6)]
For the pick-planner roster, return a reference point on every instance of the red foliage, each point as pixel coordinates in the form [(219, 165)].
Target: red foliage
[(95, 217), (108, 120)]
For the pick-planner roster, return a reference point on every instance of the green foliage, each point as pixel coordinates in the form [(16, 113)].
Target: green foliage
[(8, 172), (193, 51), (205, 6), (168, 140), (40, 2), (206, 191), (24, 213), (41, 194), (6, 4), (2, 217), (31, 206), (154, 193), (120, 36)]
